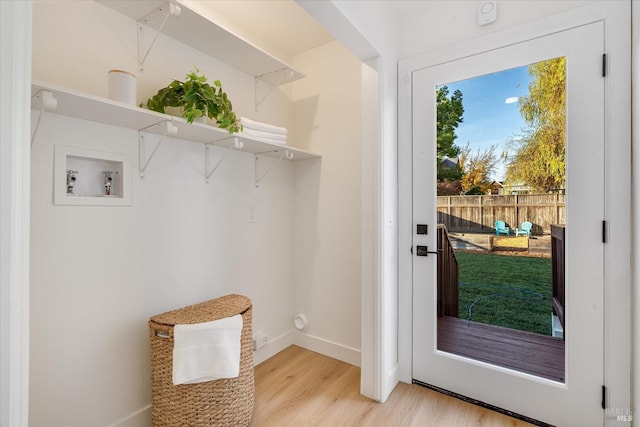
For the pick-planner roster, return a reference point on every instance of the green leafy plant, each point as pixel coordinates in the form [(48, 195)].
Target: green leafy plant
[(197, 98)]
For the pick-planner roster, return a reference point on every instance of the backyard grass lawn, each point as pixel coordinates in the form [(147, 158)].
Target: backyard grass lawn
[(510, 291)]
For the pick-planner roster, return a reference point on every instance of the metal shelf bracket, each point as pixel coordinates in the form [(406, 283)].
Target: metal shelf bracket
[(263, 89), (286, 154), (47, 102), (237, 144), (164, 12), (143, 161)]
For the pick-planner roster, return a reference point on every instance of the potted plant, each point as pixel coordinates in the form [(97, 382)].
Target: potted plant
[(197, 98)]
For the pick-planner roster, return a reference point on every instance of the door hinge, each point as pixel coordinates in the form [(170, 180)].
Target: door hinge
[(604, 231), (604, 397), (604, 65)]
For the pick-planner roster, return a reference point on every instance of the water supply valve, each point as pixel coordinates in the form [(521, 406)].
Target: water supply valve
[(71, 180), (108, 181)]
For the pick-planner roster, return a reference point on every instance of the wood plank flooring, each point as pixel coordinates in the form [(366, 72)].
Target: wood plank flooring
[(522, 351), (298, 387)]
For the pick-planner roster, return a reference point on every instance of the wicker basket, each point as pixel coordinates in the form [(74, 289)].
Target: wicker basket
[(223, 402)]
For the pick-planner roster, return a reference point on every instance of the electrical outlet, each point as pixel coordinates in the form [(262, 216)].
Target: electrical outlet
[(252, 213), (259, 341)]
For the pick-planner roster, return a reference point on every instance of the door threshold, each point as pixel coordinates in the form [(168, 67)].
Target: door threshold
[(483, 404)]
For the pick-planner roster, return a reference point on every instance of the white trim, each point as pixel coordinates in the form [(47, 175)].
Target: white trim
[(371, 317), (618, 275), (618, 192), (15, 159), (391, 380), (635, 101), (273, 347), (310, 342), (405, 221), (329, 15), (387, 288), (137, 418), (328, 348)]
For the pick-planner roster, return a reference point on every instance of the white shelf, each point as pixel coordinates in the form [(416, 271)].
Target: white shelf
[(199, 32), (101, 110)]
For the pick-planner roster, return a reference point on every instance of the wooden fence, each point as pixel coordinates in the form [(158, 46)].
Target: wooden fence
[(447, 275), (478, 214)]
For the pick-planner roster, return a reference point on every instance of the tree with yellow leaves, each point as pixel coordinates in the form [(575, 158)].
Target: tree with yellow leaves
[(539, 159), (477, 168)]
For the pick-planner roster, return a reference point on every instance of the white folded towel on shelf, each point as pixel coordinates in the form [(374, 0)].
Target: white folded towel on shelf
[(263, 127), (207, 351), (267, 136)]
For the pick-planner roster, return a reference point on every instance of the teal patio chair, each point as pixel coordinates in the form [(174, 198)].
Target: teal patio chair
[(525, 228), (501, 228)]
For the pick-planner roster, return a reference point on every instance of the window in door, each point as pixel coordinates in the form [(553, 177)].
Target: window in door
[(500, 162)]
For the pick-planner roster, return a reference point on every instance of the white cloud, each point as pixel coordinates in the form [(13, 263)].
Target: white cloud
[(511, 100)]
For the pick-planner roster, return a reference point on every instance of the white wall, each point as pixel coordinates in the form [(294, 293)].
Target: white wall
[(327, 201), (99, 273)]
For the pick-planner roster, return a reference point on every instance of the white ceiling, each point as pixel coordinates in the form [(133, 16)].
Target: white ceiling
[(281, 27), (285, 29)]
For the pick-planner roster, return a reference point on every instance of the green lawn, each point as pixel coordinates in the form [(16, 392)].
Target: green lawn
[(511, 291)]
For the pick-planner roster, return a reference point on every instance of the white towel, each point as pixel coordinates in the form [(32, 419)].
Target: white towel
[(270, 137), (207, 351), (263, 127)]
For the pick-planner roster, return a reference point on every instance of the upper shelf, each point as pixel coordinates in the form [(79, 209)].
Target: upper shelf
[(101, 110), (199, 32)]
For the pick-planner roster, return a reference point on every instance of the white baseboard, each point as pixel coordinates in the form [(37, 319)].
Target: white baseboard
[(273, 347), (139, 418), (328, 348), (319, 345), (390, 383)]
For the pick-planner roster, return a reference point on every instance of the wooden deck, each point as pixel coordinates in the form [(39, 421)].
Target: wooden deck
[(522, 351)]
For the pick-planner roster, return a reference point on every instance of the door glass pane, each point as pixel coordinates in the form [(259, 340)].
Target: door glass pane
[(500, 161)]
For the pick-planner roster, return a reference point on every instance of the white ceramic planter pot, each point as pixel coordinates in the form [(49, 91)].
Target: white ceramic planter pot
[(122, 87)]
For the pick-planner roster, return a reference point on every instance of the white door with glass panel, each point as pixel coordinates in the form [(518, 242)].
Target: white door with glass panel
[(572, 397)]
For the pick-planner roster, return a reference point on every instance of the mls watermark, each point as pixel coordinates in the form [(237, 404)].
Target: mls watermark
[(619, 414)]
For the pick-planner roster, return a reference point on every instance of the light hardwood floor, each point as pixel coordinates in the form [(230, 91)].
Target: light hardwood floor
[(298, 387)]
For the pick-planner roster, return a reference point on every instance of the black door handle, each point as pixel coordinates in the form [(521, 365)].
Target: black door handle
[(424, 251)]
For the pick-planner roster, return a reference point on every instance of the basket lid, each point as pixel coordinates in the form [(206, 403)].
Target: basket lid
[(219, 308)]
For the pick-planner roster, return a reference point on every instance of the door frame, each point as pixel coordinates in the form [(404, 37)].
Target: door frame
[(15, 120), (618, 267)]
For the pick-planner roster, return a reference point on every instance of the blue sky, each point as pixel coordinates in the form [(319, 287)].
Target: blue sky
[(488, 117)]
